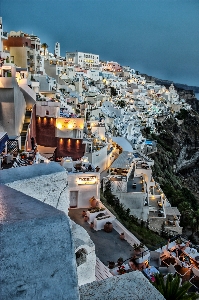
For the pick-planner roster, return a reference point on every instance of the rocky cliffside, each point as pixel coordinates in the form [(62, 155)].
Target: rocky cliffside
[(176, 165), (167, 83)]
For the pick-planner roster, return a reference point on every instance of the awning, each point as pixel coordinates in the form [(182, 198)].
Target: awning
[(3, 139)]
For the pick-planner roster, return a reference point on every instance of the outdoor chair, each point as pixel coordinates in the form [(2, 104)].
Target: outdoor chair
[(165, 254), (155, 260), (180, 269), (195, 278), (169, 260)]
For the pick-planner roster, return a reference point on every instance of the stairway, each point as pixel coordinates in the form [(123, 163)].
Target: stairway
[(25, 128)]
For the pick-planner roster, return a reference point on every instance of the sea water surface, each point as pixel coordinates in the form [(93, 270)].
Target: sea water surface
[(197, 95)]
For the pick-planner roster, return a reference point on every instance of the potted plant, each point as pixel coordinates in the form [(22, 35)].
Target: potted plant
[(111, 264), (121, 270), (83, 213), (93, 202), (108, 227), (179, 241), (85, 218), (122, 236), (120, 261), (91, 225), (97, 169), (137, 248)]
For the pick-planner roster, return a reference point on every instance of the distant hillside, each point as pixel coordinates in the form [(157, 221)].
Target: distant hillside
[(167, 83)]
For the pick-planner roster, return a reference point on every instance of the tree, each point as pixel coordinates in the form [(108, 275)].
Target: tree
[(196, 215), (185, 209), (172, 289), (44, 46)]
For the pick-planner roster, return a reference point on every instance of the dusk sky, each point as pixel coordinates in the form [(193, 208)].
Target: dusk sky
[(156, 37)]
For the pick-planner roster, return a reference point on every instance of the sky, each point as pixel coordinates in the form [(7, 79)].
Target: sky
[(156, 37)]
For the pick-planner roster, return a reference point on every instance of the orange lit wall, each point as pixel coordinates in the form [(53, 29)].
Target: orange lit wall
[(45, 136)]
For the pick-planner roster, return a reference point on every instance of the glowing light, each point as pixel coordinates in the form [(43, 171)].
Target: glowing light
[(70, 126), (87, 180), (59, 125)]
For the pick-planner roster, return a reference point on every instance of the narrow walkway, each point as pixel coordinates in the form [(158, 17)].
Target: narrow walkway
[(108, 246)]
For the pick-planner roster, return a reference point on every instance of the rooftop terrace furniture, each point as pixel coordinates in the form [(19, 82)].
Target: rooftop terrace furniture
[(165, 254), (195, 278), (179, 267), (154, 259), (169, 260), (167, 270)]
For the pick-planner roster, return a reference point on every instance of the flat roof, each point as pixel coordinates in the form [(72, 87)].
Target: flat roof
[(173, 211), (121, 141), (123, 161)]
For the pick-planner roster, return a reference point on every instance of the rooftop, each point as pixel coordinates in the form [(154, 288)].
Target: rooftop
[(123, 161)]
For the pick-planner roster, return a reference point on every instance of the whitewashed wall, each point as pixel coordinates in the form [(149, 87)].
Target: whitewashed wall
[(50, 189)]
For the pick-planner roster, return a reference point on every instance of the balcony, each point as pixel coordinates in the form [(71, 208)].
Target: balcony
[(4, 35), (38, 57)]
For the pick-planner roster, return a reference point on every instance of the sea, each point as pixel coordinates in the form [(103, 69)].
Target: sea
[(197, 95)]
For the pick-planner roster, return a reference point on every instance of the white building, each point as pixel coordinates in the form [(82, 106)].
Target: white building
[(3, 36), (85, 60), (57, 49)]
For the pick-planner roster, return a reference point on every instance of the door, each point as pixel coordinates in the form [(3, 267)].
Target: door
[(73, 199)]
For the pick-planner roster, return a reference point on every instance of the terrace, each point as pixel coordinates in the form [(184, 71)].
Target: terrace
[(109, 247), (122, 166), (156, 207), (179, 257)]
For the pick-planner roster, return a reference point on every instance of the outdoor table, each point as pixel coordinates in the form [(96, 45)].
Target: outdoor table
[(191, 252), (150, 272)]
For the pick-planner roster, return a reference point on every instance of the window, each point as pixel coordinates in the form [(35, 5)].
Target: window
[(81, 256), (47, 112)]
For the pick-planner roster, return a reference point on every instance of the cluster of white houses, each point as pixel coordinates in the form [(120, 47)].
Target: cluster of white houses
[(89, 105), (88, 115)]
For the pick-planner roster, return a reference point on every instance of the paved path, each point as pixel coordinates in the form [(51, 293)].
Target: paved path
[(108, 246)]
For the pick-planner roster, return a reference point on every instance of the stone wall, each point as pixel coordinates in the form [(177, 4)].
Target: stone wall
[(37, 252), (50, 189), (83, 244)]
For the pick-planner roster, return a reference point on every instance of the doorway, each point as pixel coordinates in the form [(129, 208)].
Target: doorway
[(73, 199)]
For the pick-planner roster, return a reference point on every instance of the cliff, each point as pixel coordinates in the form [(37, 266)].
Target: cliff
[(167, 83)]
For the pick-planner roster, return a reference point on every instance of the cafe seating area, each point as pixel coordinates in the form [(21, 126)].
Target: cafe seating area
[(178, 257)]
